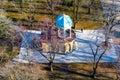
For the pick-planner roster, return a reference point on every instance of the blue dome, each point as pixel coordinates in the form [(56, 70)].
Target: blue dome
[(63, 21)]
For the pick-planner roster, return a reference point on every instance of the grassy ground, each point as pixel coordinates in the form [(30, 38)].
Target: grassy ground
[(63, 71), (81, 71), (86, 21)]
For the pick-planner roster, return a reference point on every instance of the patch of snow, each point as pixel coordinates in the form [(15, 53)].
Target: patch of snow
[(20, 60), (82, 53), (34, 31)]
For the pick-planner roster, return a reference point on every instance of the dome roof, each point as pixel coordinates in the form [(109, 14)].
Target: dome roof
[(63, 21)]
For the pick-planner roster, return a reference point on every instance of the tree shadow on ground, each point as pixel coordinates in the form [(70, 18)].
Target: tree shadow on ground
[(67, 74), (69, 71), (105, 77), (107, 64)]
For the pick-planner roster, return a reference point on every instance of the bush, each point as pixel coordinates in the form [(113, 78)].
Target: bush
[(3, 56), (4, 25)]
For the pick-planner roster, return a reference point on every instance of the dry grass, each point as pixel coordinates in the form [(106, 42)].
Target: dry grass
[(87, 21), (62, 71), (88, 25), (82, 71), (12, 71), (116, 40)]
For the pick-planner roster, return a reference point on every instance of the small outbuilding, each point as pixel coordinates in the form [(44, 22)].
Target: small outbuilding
[(60, 39)]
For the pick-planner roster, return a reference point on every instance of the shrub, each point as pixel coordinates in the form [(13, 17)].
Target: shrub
[(4, 25)]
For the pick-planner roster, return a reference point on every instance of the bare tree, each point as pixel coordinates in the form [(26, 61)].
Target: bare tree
[(102, 47), (111, 22), (37, 45), (97, 56), (51, 4), (54, 45), (21, 5), (91, 2), (75, 12)]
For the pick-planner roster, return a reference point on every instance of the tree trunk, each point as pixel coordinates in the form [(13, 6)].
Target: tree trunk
[(53, 18), (89, 10), (51, 66), (90, 5), (21, 6), (106, 41), (94, 72), (107, 38), (95, 66), (75, 13), (74, 25)]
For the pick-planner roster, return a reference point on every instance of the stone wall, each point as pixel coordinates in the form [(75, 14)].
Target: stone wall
[(62, 47)]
